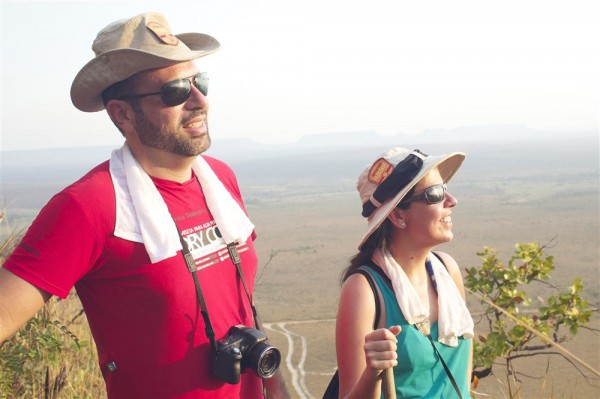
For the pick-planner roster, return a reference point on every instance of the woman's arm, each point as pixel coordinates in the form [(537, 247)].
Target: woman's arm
[(362, 353)]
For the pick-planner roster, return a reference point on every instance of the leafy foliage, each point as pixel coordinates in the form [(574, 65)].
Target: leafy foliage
[(504, 286), (33, 361), (45, 357)]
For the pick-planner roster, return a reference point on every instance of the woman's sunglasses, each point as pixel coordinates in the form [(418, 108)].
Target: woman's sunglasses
[(177, 91), (433, 195)]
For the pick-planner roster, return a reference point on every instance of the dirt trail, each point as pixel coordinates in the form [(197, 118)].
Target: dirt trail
[(295, 341)]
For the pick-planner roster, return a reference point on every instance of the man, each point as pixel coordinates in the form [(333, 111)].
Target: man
[(119, 234)]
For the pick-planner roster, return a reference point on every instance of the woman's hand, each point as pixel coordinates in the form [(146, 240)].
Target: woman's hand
[(380, 350)]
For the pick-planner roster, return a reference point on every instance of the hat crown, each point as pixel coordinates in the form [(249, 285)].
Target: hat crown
[(404, 179), (142, 32), (129, 46), (366, 185)]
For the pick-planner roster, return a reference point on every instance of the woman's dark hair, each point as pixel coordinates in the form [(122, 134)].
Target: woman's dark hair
[(378, 239)]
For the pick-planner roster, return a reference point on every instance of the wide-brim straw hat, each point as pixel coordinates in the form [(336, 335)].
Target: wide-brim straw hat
[(378, 171), (129, 46)]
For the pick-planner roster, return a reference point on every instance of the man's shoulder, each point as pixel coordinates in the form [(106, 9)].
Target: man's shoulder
[(225, 174), (223, 171), (95, 185), (91, 197), (217, 165)]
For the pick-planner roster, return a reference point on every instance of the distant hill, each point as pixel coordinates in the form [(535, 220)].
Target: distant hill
[(500, 134), (323, 157)]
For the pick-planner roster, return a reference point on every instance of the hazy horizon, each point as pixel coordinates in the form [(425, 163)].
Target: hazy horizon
[(330, 157), (484, 134)]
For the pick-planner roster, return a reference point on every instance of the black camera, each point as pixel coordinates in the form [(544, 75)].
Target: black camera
[(244, 348)]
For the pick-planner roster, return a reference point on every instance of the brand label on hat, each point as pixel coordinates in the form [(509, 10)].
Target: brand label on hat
[(162, 33), (380, 170)]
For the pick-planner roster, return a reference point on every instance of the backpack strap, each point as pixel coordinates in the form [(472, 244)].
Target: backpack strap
[(375, 290), (333, 388), (374, 267), (366, 271)]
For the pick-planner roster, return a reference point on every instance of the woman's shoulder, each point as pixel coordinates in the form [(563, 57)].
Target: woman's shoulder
[(453, 269), (356, 281), (448, 261), (357, 292)]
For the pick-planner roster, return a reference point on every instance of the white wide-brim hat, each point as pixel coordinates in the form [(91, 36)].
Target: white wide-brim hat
[(414, 166), (129, 46)]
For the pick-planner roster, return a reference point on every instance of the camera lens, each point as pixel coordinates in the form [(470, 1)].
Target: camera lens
[(269, 363), (265, 360)]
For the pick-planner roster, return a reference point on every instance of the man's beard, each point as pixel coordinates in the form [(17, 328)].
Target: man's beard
[(170, 141)]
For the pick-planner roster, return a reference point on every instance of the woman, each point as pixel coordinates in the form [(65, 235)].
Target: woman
[(408, 209)]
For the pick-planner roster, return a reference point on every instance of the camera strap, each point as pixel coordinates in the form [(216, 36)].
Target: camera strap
[(237, 261), (191, 265)]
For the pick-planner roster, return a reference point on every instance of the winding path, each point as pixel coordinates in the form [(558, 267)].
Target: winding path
[(297, 371)]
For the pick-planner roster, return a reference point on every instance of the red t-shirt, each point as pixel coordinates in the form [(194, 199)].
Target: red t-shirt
[(144, 317)]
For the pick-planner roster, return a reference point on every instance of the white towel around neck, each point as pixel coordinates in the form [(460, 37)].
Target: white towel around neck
[(142, 215), (454, 319)]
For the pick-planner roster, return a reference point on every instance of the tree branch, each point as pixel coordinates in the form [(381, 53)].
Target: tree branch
[(586, 377)]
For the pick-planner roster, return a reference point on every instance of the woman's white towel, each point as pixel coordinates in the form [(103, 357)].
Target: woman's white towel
[(454, 319)]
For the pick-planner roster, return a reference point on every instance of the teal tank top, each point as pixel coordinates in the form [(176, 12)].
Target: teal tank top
[(419, 373)]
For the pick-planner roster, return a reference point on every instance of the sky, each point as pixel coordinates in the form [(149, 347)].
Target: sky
[(289, 68)]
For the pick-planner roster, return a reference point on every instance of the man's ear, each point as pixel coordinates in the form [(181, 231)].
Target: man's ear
[(398, 218), (122, 114)]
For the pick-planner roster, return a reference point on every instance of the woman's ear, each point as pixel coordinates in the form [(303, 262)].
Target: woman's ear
[(122, 114), (398, 218)]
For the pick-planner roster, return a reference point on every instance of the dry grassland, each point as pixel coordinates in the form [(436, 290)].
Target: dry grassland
[(310, 243), (305, 240), (308, 227)]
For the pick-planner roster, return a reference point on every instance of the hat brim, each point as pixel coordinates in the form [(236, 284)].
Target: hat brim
[(117, 65), (447, 164)]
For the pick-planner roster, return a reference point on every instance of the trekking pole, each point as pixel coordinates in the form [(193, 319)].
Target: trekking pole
[(387, 384)]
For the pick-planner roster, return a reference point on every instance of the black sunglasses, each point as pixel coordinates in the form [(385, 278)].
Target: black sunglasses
[(433, 195), (177, 91)]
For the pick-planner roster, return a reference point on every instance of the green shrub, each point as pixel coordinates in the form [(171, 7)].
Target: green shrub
[(511, 332)]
